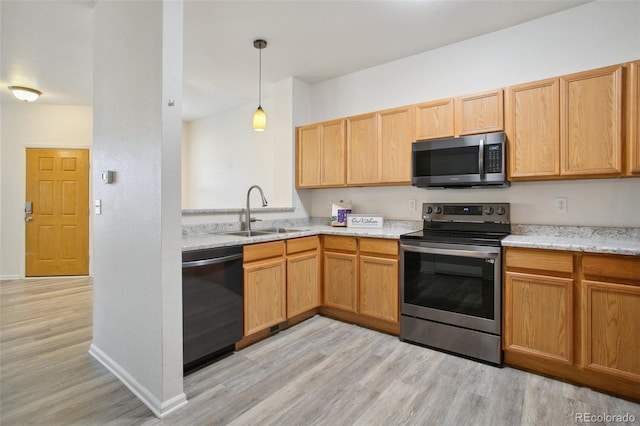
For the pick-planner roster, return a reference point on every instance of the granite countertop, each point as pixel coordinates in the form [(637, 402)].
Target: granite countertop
[(607, 240), (211, 240)]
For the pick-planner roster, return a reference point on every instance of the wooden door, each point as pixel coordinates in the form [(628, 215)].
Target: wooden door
[(396, 133), (264, 294), (479, 113), (611, 327), (539, 316), (362, 149), (303, 283), (591, 122), (435, 120), (308, 157), (332, 150), (57, 232), (633, 114), (533, 130), (378, 292), (340, 285)]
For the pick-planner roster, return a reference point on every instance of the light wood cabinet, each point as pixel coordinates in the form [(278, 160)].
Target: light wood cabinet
[(379, 147), (575, 316), (378, 279), (532, 124), (303, 275), (362, 149), (611, 315), (395, 136), (591, 122), (479, 113), (361, 278), (340, 273), (320, 155), (434, 120), (264, 286), (633, 119)]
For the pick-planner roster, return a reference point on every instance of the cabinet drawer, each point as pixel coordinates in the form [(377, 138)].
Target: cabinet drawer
[(254, 252), (622, 267), (332, 242), (546, 260), (379, 246), (298, 245)]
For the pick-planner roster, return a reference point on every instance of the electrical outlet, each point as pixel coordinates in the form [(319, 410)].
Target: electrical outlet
[(561, 204), (412, 205)]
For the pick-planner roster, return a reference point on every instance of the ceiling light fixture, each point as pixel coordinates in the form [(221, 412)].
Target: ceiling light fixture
[(259, 118), (25, 94)]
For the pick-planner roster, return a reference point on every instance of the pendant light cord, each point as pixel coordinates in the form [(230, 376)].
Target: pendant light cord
[(260, 80)]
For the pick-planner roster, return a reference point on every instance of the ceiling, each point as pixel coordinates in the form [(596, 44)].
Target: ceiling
[(48, 44)]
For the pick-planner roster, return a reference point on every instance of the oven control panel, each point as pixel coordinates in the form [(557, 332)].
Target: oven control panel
[(461, 212)]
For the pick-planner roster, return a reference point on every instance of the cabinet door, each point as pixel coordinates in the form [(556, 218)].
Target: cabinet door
[(591, 122), (533, 129), (308, 156), (395, 136), (378, 288), (333, 153), (303, 283), (435, 120), (539, 316), (340, 285), (479, 113), (611, 328), (264, 294), (633, 114), (362, 149)]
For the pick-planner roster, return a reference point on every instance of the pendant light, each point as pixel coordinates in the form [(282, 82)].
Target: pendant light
[(25, 94), (259, 118)]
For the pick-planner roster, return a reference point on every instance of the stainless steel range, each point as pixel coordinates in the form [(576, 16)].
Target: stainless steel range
[(451, 279)]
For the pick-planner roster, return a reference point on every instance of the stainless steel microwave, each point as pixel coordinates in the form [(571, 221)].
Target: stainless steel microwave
[(462, 162)]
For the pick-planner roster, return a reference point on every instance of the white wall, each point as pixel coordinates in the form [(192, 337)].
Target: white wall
[(589, 36), (137, 314), (31, 126)]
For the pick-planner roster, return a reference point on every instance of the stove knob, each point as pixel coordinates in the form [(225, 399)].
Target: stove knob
[(488, 210), (438, 210), (429, 210), (500, 210)]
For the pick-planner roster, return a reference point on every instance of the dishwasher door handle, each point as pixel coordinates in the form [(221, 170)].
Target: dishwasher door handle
[(213, 261)]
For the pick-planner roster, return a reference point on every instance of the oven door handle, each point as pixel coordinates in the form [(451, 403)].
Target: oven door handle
[(481, 254)]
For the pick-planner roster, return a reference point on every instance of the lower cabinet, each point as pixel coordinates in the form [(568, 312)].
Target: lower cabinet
[(281, 280), (575, 316), (361, 281)]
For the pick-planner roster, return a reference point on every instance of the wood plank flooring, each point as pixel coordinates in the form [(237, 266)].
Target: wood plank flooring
[(319, 372)]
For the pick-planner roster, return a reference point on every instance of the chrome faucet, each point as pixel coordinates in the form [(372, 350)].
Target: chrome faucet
[(247, 218)]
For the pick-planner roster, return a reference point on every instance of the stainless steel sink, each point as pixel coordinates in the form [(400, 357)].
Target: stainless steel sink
[(251, 233), (280, 230)]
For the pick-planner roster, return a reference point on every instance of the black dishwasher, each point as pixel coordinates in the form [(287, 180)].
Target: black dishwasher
[(212, 304)]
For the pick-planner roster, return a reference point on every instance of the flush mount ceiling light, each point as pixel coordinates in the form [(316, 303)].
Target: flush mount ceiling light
[(25, 94), (259, 118)]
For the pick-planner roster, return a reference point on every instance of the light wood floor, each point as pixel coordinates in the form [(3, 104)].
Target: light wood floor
[(320, 372)]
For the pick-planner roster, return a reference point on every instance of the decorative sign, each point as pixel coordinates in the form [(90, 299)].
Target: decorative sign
[(364, 221)]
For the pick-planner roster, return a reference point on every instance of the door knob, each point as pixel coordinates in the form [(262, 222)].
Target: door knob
[(28, 219)]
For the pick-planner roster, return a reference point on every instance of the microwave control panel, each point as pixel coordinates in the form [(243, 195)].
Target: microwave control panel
[(493, 158)]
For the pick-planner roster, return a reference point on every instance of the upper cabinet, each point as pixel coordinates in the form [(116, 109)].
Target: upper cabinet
[(320, 155), (633, 119), (567, 127), (464, 115), (532, 124), (362, 149), (591, 122), (479, 113), (434, 120)]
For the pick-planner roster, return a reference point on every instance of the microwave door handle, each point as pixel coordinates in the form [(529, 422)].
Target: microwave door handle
[(481, 158)]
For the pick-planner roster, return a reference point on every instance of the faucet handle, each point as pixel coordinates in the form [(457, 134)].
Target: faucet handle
[(253, 219)]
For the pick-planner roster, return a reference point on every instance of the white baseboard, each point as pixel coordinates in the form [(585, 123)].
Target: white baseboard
[(159, 408), (10, 277)]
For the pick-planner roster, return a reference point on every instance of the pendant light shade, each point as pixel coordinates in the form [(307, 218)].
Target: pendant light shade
[(259, 117), (25, 94)]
